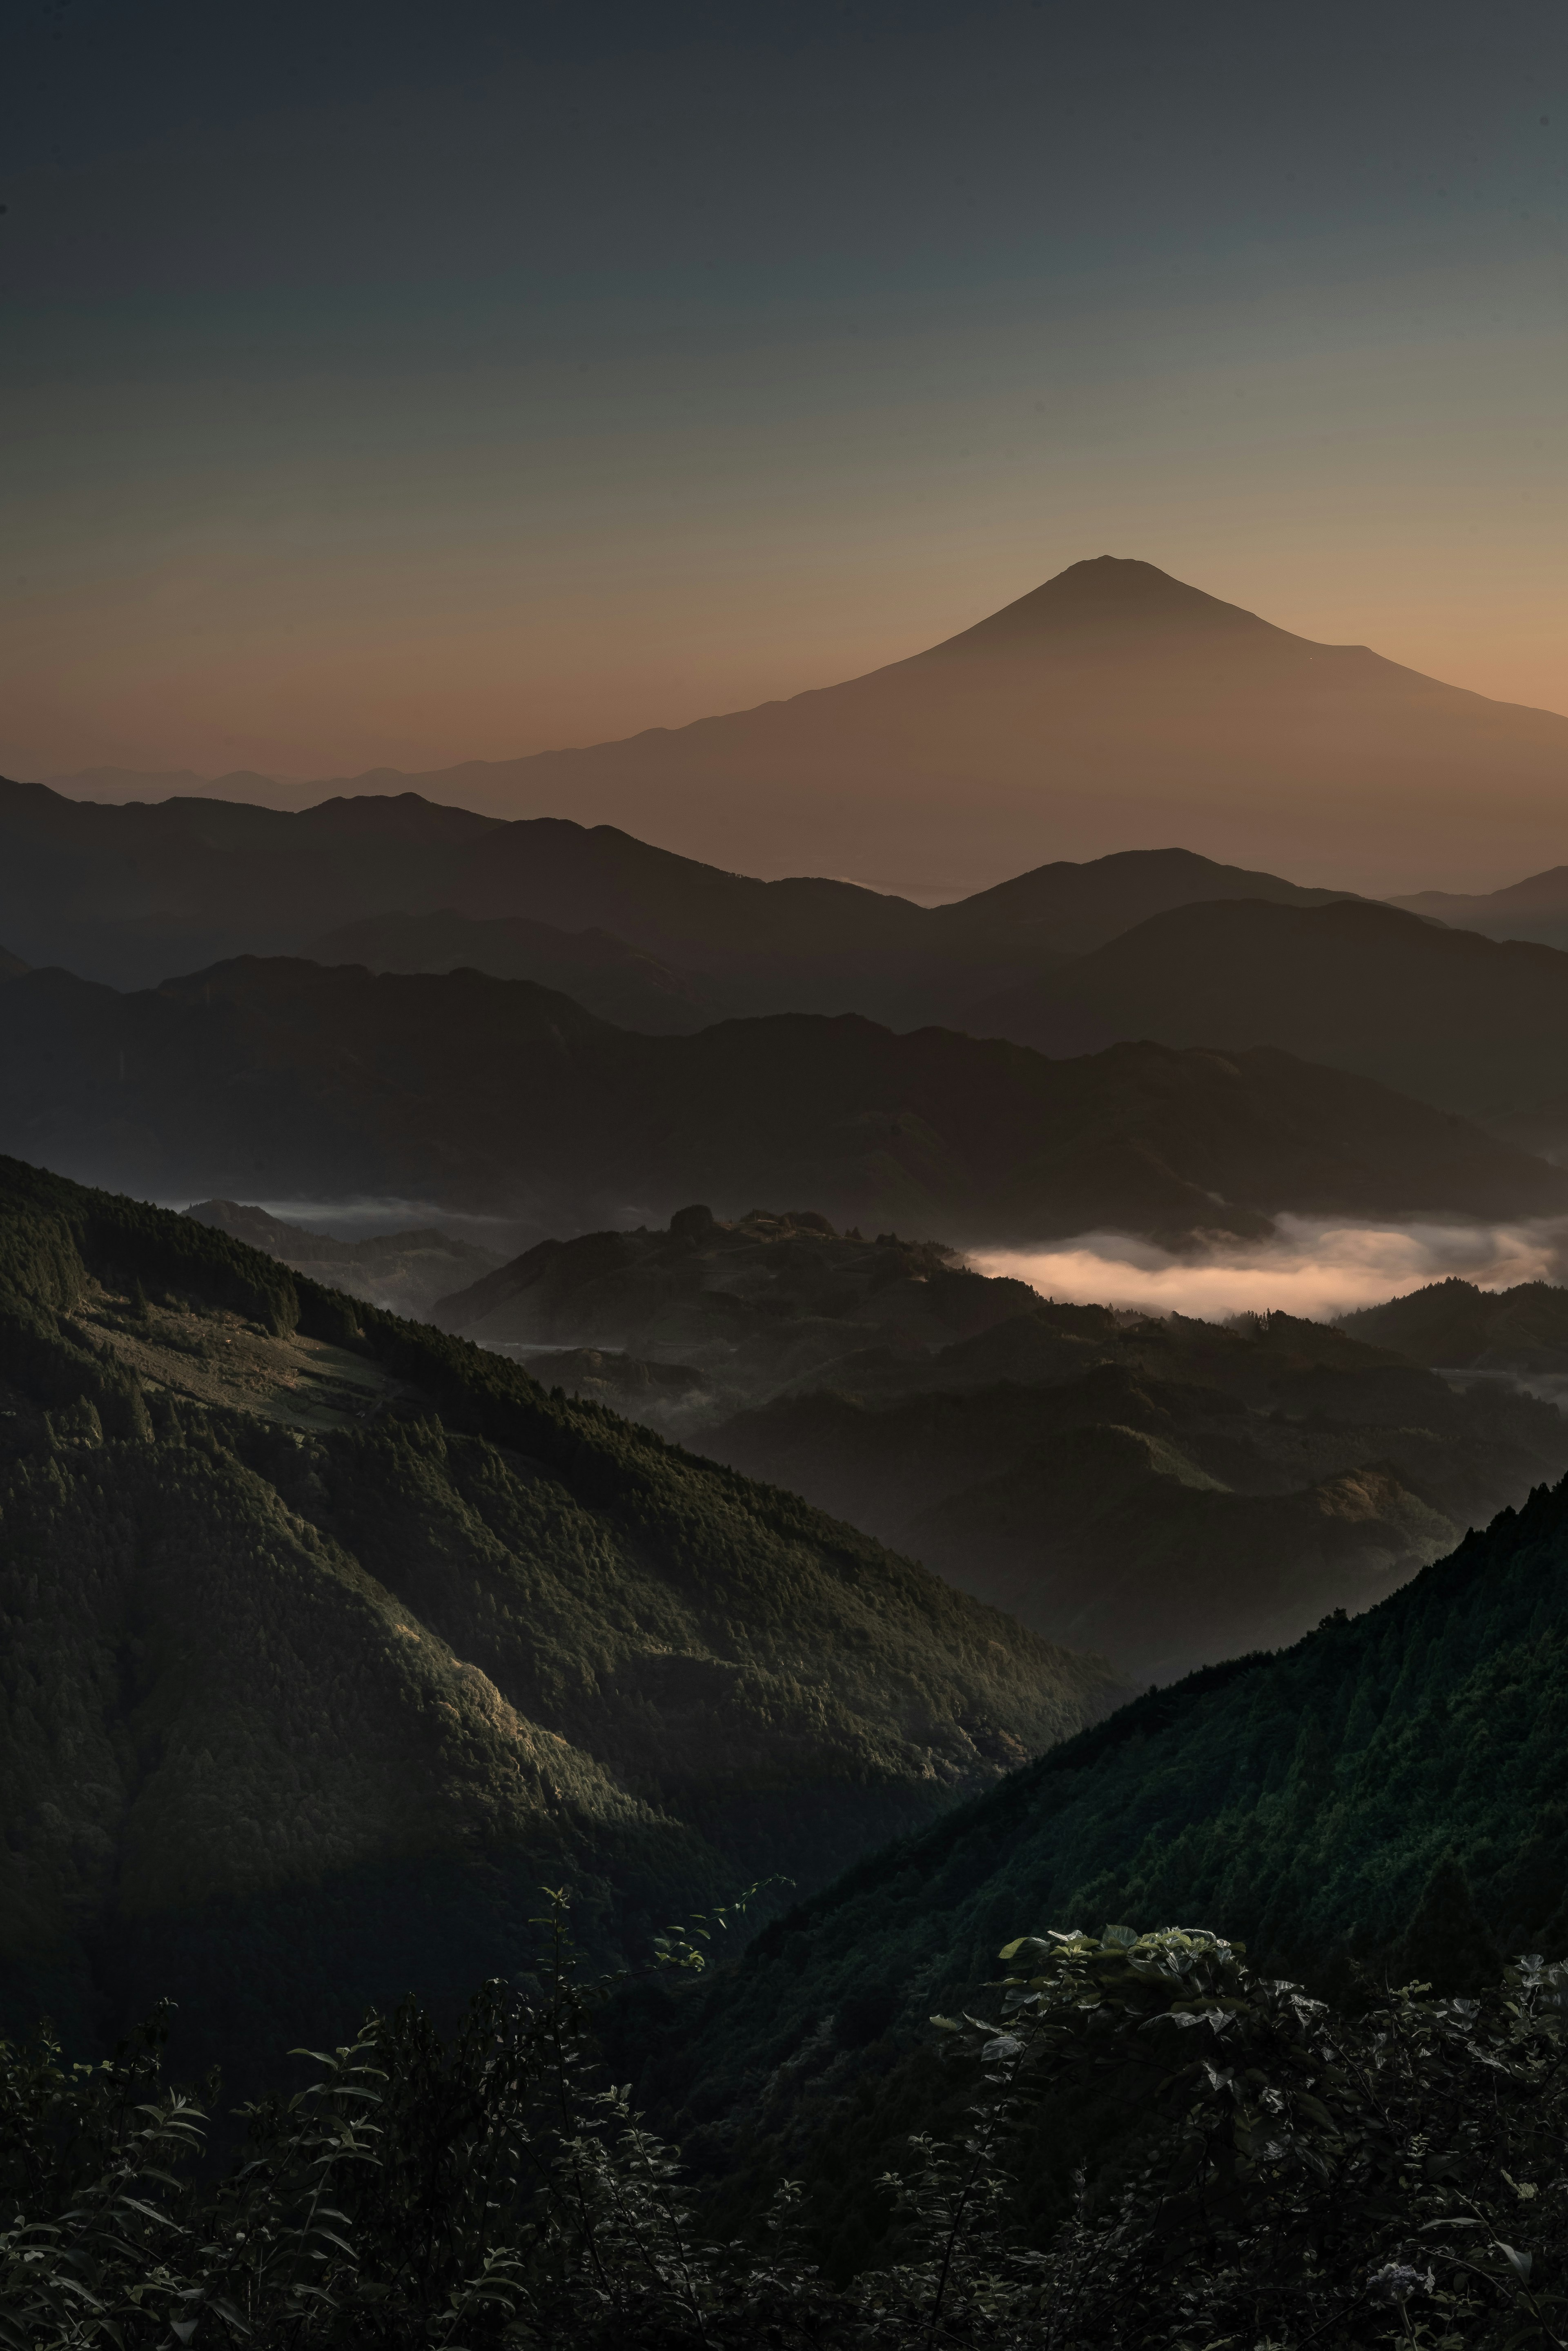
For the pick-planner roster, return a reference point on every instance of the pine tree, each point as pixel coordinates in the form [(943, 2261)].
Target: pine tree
[(1448, 1943)]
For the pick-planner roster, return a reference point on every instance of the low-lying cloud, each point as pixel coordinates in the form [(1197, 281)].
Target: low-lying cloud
[(1314, 1267)]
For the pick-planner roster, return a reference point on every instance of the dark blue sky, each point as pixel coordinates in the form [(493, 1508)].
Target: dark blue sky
[(408, 383)]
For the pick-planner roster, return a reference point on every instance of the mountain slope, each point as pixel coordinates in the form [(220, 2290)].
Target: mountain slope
[(1523, 1330), (1170, 1521), (128, 894), (404, 1272), (1535, 908), (604, 976), (282, 1080), (1471, 1024), (1091, 714), (1300, 1803), (1168, 1490), (328, 1637)]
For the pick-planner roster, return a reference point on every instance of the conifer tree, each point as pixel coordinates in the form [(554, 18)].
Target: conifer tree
[(1448, 1943)]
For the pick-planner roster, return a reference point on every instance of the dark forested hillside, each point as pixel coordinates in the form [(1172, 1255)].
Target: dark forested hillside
[(1521, 1330), (1168, 1491), (328, 1638), (1310, 1803), (1475, 1024), (278, 1080)]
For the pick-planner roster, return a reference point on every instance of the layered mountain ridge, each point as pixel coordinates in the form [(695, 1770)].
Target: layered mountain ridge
[(280, 1080), (1083, 715)]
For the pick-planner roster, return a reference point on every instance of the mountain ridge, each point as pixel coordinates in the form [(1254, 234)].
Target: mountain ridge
[(1472, 1024), (1087, 737), (285, 1079), (328, 1636)]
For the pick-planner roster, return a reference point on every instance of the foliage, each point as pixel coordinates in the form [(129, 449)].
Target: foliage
[(1284, 2174), (297, 1705)]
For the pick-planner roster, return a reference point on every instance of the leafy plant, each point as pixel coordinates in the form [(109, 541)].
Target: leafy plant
[(1284, 2174)]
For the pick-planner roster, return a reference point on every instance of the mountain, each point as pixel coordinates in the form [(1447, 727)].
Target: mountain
[(1168, 1491), (1535, 908), (329, 1637), (1075, 908), (1170, 1521), (128, 894), (746, 1307), (1091, 715), (10, 964), (1306, 1803), (1469, 1023), (282, 1080), (1522, 1330), (603, 974), (404, 1272)]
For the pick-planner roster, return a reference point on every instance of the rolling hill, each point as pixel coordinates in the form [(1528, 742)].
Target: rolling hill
[(280, 1080), (329, 1637)]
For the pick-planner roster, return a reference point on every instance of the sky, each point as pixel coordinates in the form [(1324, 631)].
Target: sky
[(400, 385)]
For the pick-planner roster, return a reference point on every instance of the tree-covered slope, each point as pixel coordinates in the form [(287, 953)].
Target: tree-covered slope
[(1522, 1330), (1304, 1802), (328, 1637), (277, 1080)]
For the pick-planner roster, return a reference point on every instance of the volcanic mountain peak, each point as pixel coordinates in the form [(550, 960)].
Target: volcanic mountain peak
[(1105, 595)]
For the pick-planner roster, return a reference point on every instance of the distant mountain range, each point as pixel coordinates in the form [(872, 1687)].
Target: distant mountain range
[(1471, 1024), (1166, 1490), (282, 1080), (404, 1272), (330, 1639), (1110, 707), (131, 895), (1535, 908)]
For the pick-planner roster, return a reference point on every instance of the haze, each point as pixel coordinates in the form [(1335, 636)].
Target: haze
[(686, 359), (1314, 1267)]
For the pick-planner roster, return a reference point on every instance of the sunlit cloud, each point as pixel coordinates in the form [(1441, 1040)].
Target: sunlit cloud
[(1311, 1266)]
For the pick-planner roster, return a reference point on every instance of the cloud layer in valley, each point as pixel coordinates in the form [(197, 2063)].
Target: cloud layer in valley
[(1313, 1266)]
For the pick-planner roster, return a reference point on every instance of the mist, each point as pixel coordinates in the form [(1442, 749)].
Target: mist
[(1313, 1266)]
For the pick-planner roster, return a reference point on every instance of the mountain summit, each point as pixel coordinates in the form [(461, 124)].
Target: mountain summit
[(1107, 596), (1108, 708)]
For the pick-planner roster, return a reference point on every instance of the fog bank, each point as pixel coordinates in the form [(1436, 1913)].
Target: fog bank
[(1316, 1266)]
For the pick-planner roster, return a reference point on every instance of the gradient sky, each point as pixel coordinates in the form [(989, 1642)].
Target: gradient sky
[(403, 384)]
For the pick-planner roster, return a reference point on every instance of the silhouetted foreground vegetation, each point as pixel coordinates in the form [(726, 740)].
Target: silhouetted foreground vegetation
[(1271, 2172)]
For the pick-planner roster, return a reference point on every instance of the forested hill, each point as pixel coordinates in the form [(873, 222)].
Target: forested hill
[(328, 1638), (279, 1080), (1306, 1803)]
